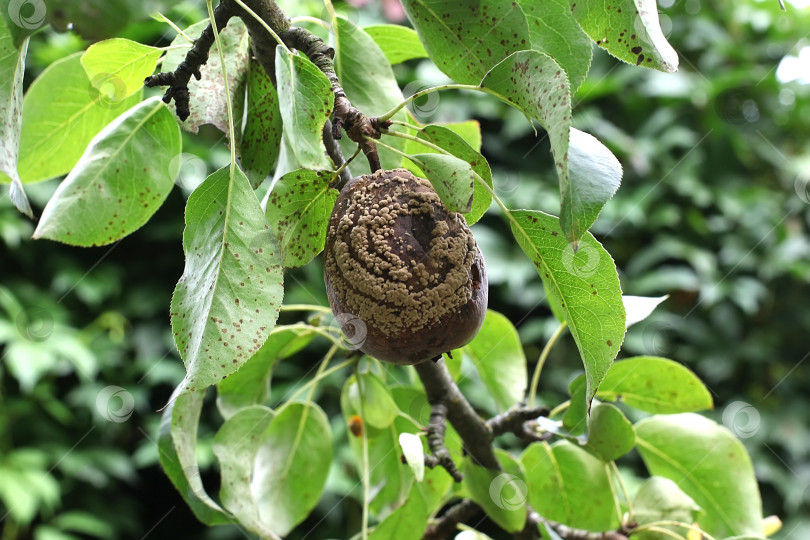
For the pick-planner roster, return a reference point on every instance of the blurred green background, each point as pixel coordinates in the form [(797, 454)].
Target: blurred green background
[(714, 210)]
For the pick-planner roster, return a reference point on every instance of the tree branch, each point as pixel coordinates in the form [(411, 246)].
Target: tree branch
[(475, 433), (518, 420), (436, 430), (569, 533), (446, 525), (177, 80)]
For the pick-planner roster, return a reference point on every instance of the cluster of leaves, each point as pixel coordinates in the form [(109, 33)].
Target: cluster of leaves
[(122, 161)]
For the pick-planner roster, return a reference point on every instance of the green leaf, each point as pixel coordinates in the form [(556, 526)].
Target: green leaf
[(585, 285), (630, 31), (377, 409), (656, 385), (576, 417), (466, 39), (580, 484), (305, 101), (251, 384), (291, 466), (398, 43), (298, 209), (660, 499), (12, 68), (359, 60), (207, 102), (555, 31), (502, 494), (22, 19), (235, 445), (177, 445), (452, 178), (449, 140), (594, 175), (610, 433), (62, 112), (710, 465), (122, 179), (117, 67), (261, 140), (640, 307), (498, 357), (228, 299), (408, 522)]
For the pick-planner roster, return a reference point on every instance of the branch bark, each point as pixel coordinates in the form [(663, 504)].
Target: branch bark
[(472, 429)]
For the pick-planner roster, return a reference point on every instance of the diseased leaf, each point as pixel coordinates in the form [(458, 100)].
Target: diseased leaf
[(62, 112), (710, 465), (555, 31), (359, 60), (656, 385), (251, 384), (261, 140), (502, 494), (610, 433), (207, 103), (629, 30), (122, 179), (452, 178), (498, 357), (291, 466), (446, 138), (235, 445), (227, 301), (584, 284), (298, 209), (594, 176), (305, 102), (466, 39), (12, 67), (117, 67), (398, 43), (583, 498), (177, 444)]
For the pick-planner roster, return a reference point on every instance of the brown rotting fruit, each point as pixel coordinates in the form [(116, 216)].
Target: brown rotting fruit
[(403, 264)]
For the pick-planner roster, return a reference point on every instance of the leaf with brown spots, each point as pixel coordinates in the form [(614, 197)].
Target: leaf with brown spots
[(228, 299), (305, 101), (12, 63), (594, 319), (555, 32), (261, 141), (452, 178), (627, 29), (466, 39), (298, 209), (121, 180)]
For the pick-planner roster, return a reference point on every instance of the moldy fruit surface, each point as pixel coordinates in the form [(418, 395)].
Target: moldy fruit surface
[(403, 264)]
